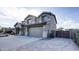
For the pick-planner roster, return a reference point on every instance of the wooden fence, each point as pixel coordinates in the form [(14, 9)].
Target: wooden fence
[(63, 34)]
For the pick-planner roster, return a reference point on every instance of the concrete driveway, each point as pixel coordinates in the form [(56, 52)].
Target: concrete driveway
[(24, 43), (12, 42), (56, 44)]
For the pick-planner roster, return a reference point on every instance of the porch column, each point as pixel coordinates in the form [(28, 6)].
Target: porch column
[(26, 31), (45, 32)]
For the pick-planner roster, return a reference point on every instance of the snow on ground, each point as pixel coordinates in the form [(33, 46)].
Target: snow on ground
[(12, 42), (24, 43), (56, 44)]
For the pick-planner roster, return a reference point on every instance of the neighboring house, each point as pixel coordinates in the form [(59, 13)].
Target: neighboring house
[(18, 28), (9, 30), (40, 26)]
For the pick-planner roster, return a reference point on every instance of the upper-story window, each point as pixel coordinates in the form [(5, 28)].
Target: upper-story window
[(30, 21), (25, 21), (45, 18)]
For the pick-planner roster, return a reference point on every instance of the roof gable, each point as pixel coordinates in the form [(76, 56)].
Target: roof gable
[(17, 24), (29, 16), (48, 13)]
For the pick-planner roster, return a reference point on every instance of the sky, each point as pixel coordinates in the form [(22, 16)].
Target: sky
[(67, 17)]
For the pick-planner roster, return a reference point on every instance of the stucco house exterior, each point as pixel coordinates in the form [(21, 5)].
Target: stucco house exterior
[(40, 26)]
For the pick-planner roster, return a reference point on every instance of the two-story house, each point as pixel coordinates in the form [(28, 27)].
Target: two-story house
[(40, 26)]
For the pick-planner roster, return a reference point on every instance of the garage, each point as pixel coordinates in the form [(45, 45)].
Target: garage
[(36, 31)]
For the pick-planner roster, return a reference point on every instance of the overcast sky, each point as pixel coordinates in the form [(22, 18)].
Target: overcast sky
[(66, 17)]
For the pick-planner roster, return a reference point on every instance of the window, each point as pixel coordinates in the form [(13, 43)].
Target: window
[(30, 21), (46, 18)]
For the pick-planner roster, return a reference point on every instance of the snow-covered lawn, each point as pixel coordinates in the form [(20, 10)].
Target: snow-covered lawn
[(56, 44), (13, 42)]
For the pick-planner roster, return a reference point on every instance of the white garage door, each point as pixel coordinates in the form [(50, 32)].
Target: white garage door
[(36, 31)]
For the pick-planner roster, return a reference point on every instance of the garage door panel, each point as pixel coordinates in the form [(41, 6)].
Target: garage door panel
[(35, 32)]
